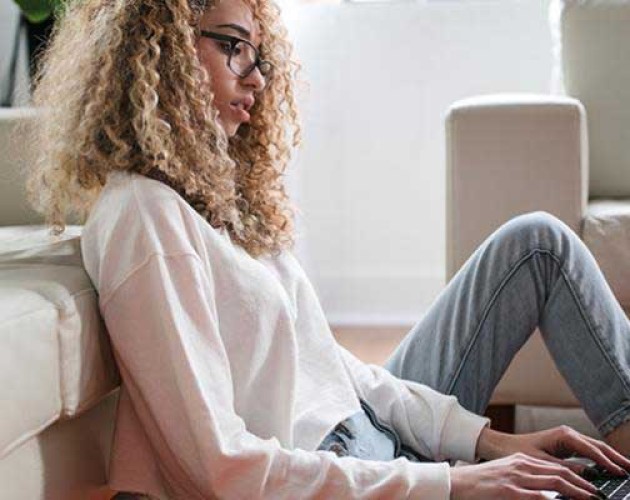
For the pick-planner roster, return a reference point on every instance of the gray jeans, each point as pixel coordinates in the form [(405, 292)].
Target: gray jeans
[(533, 271)]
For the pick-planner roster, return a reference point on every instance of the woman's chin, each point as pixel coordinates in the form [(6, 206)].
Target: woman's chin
[(230, 129)]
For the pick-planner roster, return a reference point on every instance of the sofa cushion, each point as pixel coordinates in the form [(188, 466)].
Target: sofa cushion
[(606, 232), (55, 357)]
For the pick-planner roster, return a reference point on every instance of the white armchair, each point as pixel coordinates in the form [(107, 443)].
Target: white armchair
[(510, 154)]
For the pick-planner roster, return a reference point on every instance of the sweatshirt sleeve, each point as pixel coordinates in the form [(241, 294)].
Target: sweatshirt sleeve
[(165, 331), (433, 423)]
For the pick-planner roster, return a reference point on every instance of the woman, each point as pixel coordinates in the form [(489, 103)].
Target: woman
[(168, 122)]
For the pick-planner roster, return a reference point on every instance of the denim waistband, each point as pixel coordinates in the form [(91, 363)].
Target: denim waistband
[(362, 435)]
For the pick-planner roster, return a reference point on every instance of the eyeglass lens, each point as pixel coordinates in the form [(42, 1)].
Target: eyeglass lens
[(243, 58)]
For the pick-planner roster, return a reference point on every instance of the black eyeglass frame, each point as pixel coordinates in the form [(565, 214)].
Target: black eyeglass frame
[(265, 67)]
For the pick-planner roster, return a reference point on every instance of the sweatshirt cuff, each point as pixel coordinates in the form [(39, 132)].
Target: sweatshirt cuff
[(460, 434), (431, 480)]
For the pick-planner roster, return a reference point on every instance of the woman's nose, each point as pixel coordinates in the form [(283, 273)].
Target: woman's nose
[(255, 80)]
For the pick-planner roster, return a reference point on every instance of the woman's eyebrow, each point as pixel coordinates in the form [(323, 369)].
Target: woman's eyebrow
[(237, 28)]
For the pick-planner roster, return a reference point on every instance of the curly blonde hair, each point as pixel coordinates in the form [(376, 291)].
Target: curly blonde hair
[(121, 88)]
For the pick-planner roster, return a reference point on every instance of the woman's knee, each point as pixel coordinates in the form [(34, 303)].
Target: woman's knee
[(534, 229)]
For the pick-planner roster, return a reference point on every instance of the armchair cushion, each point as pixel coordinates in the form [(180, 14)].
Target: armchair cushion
[(55, 358)]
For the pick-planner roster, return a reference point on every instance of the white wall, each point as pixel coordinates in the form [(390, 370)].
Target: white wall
[(371, 176)]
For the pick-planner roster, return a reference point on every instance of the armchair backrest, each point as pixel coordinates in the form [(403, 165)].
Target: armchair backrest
[(14, 209), (593, 38)]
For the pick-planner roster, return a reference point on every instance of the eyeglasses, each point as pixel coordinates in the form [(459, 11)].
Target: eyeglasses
[(243, 57)]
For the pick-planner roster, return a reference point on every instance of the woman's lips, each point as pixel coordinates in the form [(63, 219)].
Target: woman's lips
[(240, 113)]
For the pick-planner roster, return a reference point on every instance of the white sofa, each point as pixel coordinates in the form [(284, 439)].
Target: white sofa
[(57, 376), (567, 154)]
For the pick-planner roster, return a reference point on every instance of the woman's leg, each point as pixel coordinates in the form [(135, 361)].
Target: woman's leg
[(533, 271)]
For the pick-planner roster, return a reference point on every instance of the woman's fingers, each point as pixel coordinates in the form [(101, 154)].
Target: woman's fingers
[(575, 467), (517, 476), (560, 485), (610, 452), (556, 469), (538, 474), (598, 451)]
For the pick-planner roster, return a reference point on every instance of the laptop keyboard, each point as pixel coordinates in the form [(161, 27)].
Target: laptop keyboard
[(612, 487)]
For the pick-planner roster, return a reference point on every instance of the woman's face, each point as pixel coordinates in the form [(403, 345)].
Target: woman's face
[(233, 95)]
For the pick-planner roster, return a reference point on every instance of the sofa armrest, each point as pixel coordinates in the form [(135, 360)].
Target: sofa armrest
[(509, 154)]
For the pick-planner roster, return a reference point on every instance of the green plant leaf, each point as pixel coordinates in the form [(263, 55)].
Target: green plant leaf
[(37, 11)]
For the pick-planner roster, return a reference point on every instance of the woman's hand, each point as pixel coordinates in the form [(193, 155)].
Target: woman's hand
[(517, 476), (523, 465), (553, 445)]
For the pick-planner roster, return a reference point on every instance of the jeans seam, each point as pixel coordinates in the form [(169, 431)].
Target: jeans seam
[(484, 316), (591, 329), (519, 263)]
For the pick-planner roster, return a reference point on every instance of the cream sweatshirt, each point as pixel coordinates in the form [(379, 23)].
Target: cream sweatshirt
[(231, 377)]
